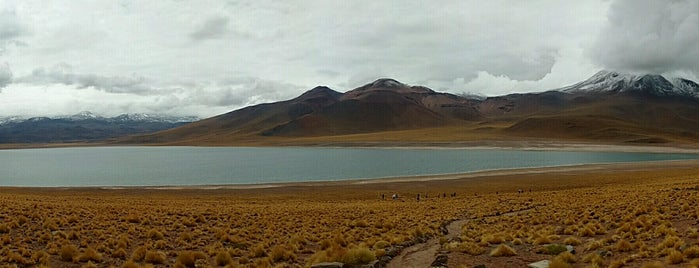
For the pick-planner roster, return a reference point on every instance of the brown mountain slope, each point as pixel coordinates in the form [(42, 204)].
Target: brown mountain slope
[(384, 105), (389, 111)]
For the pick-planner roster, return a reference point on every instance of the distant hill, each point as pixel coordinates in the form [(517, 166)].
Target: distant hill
[(83, 126), (609, 107)]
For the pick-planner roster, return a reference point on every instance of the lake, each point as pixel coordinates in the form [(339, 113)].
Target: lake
[(160, 166)]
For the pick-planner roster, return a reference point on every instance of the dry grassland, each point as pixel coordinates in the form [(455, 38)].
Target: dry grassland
[(614, 216)]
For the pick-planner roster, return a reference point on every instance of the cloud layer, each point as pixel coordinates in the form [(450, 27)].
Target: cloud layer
[(208, 57), (5, 75), (650, 36)]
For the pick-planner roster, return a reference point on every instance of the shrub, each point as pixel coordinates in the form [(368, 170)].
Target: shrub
[(155, 234), (139, 254), (554, 249), (259, 251), (674, 257), (567, 257), (4, 228), (155, 257), (691, 252), (623, 246), (542, 240), (68, 252), (90, 255), (358, 255), (188, 258), (572, 241), (279, 254), (130, 264), (656, 264), (558, 262), (503, 251), (223, 258), (381, 244), (119, 253)]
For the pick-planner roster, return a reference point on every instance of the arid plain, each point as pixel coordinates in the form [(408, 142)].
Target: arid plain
[(632, 215)]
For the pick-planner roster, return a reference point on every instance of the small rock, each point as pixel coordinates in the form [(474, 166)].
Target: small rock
[(570, 249), (385, 259), (328, 265), (440, 261), (373, 264), (539, 264)]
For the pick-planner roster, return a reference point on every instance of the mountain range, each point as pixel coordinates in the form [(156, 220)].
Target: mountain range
[(608, 107), (84, 126)]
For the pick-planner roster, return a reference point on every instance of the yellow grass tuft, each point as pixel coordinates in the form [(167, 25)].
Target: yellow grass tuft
[(558, 262), (155, 257), (188, 258), (656, 264), (691, 252), (223, 258), (68, 253), (674, 257), (358, 255), (623, 246), (90, 255), (503, 251)]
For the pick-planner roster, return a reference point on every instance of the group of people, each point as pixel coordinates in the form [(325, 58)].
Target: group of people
[(395, 196)]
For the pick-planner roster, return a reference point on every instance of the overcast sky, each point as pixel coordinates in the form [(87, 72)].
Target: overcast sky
[(209, 57)]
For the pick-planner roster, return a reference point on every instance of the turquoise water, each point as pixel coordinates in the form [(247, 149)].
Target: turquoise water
[(159, 166)]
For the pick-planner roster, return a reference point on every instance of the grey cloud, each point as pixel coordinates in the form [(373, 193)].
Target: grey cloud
[(63, 74), (212, 28), (242, 91), (5, 75), (653, 36), (10, 30)]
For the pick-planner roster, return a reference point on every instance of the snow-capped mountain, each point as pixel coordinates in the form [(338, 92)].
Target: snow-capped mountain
[(84, 126), (141, 117), (86, 115), (609, 81)]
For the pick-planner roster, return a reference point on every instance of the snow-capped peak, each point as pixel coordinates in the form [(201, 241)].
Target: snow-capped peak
[(84, 115), (610, 81)]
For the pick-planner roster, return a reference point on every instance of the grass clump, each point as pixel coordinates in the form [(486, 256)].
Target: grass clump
[(357, 256), (155, 257), (90, 255), (503, 251), (68, 253), (189, 258), (554, 249), (674, 257), (223, 258)]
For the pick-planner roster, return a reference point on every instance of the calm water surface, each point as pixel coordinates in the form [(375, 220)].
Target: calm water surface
[(139, 166)]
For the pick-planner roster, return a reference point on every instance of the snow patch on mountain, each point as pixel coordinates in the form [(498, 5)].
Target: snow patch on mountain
[(610, 81)]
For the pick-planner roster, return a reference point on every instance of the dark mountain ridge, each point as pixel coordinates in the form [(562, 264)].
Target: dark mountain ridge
[(84, 126), (609, 106)]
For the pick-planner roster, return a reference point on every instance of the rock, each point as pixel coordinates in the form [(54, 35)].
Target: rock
[(328, 265), (570, 249), (539, 264), (373, 264), (440, 261)]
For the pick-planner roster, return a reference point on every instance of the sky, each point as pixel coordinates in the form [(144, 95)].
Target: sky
[(203, 58)]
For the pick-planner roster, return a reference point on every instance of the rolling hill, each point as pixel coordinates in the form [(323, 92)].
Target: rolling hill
[(608, 107)]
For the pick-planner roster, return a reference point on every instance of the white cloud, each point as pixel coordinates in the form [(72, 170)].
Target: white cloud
[(650, 36), (147, 55)]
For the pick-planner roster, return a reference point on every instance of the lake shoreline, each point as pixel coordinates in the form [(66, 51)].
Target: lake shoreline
[(621, 167), (524, 145)]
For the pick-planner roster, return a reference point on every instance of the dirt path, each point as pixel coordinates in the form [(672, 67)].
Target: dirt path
[(422, 255)]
